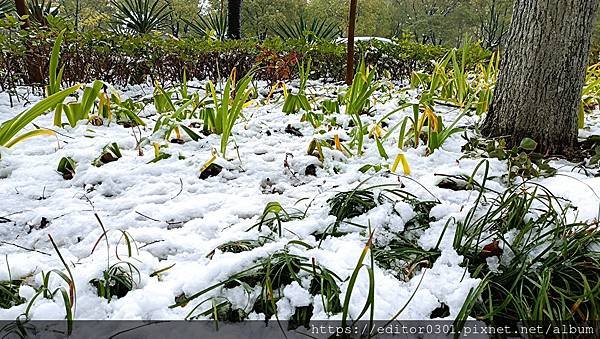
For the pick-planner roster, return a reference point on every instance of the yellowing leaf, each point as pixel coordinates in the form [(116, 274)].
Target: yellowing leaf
[(28, 135), (401, 159)]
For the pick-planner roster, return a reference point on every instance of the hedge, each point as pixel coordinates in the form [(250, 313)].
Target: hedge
[(125, 60)]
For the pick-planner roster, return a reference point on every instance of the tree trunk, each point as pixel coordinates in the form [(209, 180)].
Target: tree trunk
[(542, 73), (234, 13), (21, 7)]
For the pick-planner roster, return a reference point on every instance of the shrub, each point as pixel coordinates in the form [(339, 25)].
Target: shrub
[(125, 59)]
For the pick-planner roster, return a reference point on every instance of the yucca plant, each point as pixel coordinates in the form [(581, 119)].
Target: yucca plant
[(227, 107), (6, 7), (310, 32), (10, 129), (357, 100), (39, 10), (141, 16), (212, 25)]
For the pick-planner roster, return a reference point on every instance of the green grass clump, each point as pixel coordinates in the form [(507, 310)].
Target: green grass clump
[(274, 215), (546, 269), (9, 293), (272, 273), (118, 280), (345, 205)]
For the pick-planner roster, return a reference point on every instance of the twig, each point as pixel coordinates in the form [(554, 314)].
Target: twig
[(180, 189), (151, 243), (147, 217), (24, 248)]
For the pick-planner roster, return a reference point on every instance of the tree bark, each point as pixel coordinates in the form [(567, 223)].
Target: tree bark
[(21, 7), (234, 13), (542, 73)]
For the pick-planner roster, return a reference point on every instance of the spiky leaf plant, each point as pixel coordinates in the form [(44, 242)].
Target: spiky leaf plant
[(141, 16), (212, 25), (6, 7), (308, 31), (39, 10)]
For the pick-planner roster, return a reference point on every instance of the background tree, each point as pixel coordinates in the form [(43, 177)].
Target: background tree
[(373, 17), (438, 22), (87, 14), (494, 19), (260, 17), (542, 73), (234, 12)]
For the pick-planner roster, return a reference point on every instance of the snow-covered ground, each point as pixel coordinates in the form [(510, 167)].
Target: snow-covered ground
[(177, 219)]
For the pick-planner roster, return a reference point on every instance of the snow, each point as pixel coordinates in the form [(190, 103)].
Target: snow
[(178, 219)]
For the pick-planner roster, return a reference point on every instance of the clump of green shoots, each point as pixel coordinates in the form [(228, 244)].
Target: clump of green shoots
[(118, 278), (66, 167), (68, 294), (453, 84), (227, 108), (274, 215), (294, 102), (369, 304), (10, 129), (428, 125), (110, 153), (76, 111), (173, 112), (345, 205), (236, 246), (116, 281), (9, 290), (357, 100)]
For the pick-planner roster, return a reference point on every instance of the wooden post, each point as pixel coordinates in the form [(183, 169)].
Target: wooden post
[(350, 46)]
